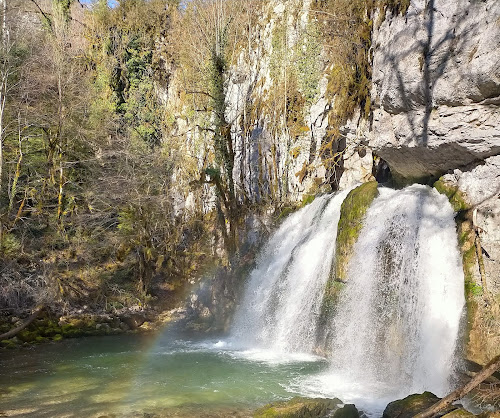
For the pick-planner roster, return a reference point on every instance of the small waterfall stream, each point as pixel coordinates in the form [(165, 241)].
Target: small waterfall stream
[(284, 293), (398, 319)]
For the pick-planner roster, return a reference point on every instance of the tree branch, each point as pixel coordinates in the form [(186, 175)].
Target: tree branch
[(486, 372), (13, 332)]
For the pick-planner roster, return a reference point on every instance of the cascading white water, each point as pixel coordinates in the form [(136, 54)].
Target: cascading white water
[(398, 319), (283, 297)]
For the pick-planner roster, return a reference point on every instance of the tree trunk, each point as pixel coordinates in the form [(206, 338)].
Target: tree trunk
[(13, 332), (486, 372)]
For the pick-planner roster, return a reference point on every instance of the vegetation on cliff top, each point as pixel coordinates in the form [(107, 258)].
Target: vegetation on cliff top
[(346, 27)]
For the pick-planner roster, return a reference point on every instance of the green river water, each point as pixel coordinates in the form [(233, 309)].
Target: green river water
[(145, 376)]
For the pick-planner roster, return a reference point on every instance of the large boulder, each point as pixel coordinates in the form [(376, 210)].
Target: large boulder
[(299, 407), (412, 405)]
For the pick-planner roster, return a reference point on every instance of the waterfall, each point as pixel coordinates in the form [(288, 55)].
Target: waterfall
[(399, 318), (397, 321), (283, 297)]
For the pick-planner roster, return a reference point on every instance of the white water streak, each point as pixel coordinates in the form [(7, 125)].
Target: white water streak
[(284, 293), (398, 317), (398, 320)]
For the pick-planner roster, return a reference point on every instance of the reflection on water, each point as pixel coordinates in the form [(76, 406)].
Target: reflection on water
[(134, 375)]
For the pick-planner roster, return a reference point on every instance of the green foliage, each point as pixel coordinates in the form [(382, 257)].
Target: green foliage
[(10, 244), (125, 62), (8, 344), (296, 73), (473, 289)]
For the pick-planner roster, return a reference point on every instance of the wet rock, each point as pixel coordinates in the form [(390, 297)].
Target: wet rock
[(299, 407), (123, 326), (105, 328), (133, 320), (347, 411), (412, 405)]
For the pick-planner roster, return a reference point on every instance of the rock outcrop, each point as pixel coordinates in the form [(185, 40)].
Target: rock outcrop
[(479, 188), (436, 87), (308, 408)]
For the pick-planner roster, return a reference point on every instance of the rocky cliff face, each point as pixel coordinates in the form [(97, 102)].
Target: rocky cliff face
[(436, 87), (278, 106), (435, 111)]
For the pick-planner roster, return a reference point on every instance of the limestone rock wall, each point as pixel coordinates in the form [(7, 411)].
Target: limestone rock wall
[(436, 86), (270, 160), (481, 190)]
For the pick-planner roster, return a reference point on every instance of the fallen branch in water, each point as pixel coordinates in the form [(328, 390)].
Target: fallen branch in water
[(486, 372)]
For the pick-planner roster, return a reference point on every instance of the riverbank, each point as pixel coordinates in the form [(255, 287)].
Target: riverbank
[(50, 326)]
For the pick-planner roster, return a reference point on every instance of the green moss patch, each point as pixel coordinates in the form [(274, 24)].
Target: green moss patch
[(459, 413), (331, 296), (352, 214), (472, 288), (307, 199), (455, 196), (412, 405), (48, 328), (8, 344)]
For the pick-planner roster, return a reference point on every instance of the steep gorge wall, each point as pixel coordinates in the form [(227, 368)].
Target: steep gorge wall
[(281, 154), (278, 107), (435, 112), (436, 87)]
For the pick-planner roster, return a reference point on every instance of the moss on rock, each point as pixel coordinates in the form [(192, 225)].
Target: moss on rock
[(347, 411), (459, 413), (307, 199), (333, 290), (352, 214), (479, 314), (299, 407), (287, 210), (8, 344), (455, 196), (49, 328)]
